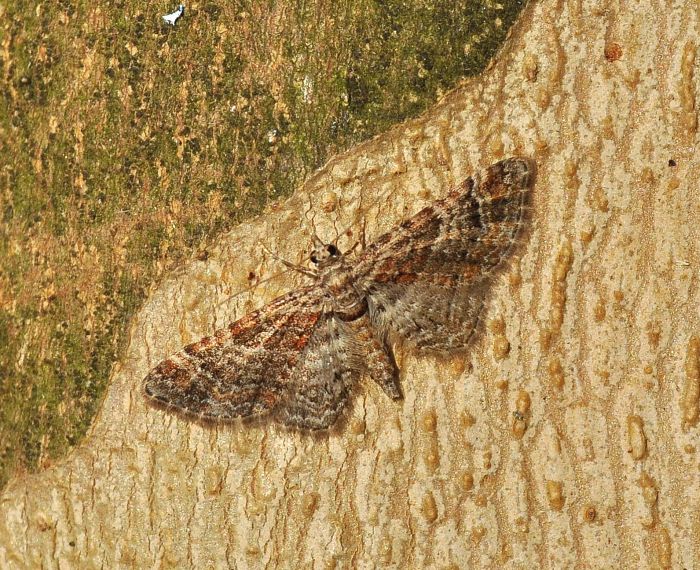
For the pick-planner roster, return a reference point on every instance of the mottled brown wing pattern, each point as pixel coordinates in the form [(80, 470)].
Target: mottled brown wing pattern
[(427, 281), (326, 374), (287, 359), (298, 358)]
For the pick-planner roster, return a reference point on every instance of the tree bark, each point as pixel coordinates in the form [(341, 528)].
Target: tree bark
[(567, 438)]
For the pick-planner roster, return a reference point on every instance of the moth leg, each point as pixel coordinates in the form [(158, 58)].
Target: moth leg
[(290, 265)]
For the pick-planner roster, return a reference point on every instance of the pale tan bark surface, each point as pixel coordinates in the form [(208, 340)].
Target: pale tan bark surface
[(568, 438)]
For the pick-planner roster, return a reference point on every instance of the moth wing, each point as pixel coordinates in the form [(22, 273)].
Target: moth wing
[(429, 280), (330, 367), (282, 360)]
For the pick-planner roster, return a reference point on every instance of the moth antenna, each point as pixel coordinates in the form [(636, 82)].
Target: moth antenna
[(317, 241), (248, 289), (289, 264), (352, 248), (358, 220), (309, 215), (363, 235)]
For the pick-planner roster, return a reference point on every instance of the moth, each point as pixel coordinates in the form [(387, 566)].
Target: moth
[(298, 359)]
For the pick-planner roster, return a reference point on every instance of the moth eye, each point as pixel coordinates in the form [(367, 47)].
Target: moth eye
[(332, 249), (314, 259)]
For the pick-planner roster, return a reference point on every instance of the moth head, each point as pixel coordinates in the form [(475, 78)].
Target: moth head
[(324, 253)]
